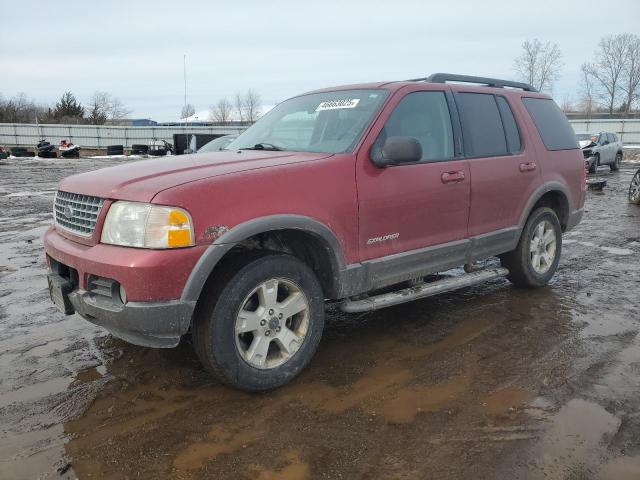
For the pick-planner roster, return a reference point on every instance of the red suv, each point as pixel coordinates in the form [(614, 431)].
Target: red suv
[(333, 195)]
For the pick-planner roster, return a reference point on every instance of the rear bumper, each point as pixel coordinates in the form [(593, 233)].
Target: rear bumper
[(149, 324)]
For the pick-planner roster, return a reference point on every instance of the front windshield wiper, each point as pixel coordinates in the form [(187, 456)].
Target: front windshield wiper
[(263, 146)]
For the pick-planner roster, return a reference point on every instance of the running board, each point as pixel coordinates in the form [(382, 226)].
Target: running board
[(421, 291)]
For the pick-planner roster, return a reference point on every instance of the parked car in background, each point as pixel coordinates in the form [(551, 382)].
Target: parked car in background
[(600, 149), (634, 189), (217, 144), (354, 194)]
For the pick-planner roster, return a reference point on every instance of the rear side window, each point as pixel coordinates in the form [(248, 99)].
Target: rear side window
[(510, 127), (482, 130), (552, 125)]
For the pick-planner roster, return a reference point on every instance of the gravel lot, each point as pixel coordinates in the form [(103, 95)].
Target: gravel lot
[(489, 382)]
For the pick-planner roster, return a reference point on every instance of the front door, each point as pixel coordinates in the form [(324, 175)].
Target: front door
[(407, 207)]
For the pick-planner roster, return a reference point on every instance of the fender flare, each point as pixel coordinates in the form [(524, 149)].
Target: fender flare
[(223, 244), (538, 194)]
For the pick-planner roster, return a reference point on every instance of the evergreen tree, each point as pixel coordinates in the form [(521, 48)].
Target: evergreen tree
[(68, 108)]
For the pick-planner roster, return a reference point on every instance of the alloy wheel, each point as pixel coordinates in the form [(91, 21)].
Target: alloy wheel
[(272, 323), (542, 249)]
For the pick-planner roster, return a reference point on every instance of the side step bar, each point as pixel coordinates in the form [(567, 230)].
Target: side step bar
[(421, 291)]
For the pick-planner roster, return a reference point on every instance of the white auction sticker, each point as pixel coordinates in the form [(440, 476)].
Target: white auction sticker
[(335, 104)]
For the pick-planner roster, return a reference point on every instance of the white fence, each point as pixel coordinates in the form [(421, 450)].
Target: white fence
[(627, 129), (97, 136)]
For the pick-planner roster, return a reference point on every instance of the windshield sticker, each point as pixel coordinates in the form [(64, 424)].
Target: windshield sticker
[(336, 104)]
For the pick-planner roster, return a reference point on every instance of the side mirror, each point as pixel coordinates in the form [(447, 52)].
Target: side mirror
[(398, 150)]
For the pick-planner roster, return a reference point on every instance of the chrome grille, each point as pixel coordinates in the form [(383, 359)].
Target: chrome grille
[(77, 213)]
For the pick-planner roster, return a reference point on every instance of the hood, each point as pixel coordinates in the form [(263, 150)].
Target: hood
[(141, 180), (586, 143)]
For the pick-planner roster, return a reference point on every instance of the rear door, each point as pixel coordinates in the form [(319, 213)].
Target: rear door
[(504, 172), (411, 206)]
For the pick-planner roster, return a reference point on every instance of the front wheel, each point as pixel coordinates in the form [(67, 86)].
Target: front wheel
[(634, 189), (260, 323), (596, 162), (535, 259)]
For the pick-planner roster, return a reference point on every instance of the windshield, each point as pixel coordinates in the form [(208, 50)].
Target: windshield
[(330, 122), (217, 144)]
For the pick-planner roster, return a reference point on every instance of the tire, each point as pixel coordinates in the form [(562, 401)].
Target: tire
[(115, 150), (521, 261), (226, 354), (157, 152), (615, 166), (23, 154), (634, 189), (594, 166)]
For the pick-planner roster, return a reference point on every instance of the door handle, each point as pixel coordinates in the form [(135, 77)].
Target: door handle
[(528, 167), (452, 177)]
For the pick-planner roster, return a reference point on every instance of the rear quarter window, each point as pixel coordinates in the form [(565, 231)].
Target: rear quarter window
[(552, 125)]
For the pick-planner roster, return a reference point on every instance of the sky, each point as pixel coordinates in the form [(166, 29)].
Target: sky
[(134, 49)]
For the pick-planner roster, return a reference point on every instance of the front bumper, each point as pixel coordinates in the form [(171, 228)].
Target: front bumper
[(149, 324), (153, 314)]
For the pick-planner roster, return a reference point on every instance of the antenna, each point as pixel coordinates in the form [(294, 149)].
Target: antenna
[(184, 69)]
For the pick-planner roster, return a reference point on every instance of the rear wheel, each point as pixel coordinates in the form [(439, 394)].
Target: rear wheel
[(535, 260), (615, 166), (260, 322), (634, 189)]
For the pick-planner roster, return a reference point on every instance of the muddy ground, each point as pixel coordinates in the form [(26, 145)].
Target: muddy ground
[(489, 382)]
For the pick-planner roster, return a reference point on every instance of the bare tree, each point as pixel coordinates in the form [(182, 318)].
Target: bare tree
[(607, 70), (98, 107), (567, 103), (187, 111), (251, 106), (103, 106), (21, 109), (631, 73), (117, 109), (539, 64), (586, 91), (221, 111), (239, 107)]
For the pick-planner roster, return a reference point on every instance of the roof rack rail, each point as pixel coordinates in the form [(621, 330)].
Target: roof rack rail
[(489, 82)]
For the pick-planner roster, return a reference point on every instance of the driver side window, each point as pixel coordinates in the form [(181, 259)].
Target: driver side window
[(425, 117)]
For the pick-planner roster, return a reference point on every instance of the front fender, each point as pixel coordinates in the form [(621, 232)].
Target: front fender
[(230, 238)]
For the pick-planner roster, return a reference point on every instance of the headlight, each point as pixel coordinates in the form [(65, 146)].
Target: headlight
[(143, 225)]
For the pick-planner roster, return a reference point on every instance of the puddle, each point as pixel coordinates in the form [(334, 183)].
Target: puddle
[(571, 445), (296, 469), (457, 386), (508, 399), (621, 468)]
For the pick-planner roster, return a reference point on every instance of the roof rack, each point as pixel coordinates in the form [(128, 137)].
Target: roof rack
[(489, 82)]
